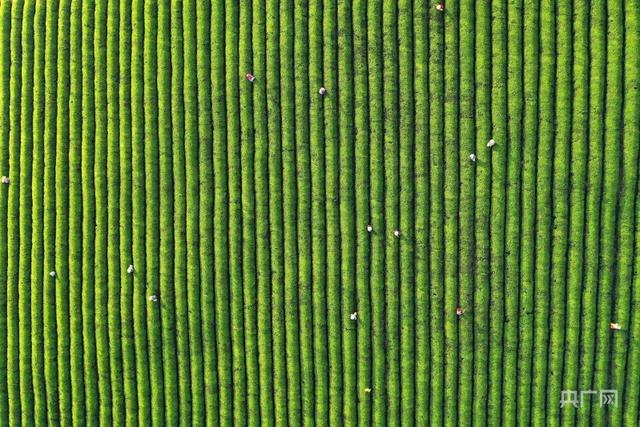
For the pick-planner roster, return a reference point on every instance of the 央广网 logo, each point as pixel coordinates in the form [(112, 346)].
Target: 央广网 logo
[(576, 398)]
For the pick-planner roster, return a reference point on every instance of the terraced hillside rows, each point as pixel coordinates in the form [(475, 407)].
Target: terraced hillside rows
[(319, 212)]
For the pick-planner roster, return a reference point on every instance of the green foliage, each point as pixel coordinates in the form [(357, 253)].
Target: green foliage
[(181, 244)]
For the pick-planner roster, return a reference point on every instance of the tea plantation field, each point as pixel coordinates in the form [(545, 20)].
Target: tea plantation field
[(319, 212)]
